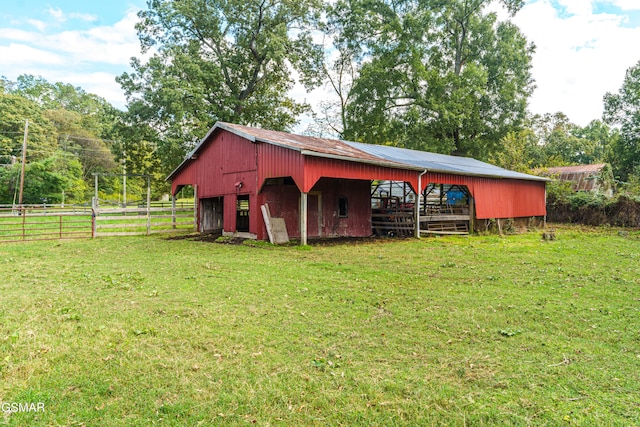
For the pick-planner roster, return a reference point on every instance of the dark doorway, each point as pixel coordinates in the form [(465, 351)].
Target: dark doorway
[(211, 214), (242, 214)]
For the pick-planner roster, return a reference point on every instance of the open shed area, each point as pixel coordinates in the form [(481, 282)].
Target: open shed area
[(330, 188)]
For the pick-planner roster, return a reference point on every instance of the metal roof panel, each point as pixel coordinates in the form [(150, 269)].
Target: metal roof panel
[(434, 162)]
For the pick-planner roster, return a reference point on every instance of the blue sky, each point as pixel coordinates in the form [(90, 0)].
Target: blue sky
[(583, 49)]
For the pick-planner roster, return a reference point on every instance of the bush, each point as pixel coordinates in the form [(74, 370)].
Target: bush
[(595, 209)]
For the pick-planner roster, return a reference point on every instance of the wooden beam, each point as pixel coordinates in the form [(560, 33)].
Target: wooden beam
[(445, 217)]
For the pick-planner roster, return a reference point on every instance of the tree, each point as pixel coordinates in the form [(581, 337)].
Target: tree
[(440, 75), (520, 151), (599, 142), (218, 60), (623, 110), (55, 179), (73, 138), (14, 111), (80, 119), (94, 111)]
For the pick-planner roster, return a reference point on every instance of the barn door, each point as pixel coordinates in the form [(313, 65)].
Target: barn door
[(314, 214)]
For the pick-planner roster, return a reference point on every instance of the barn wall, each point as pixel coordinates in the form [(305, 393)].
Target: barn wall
[(323, 219), (498, 198), (284, 202), (277, 162), (358, 195), (319, 167), (225, 161)]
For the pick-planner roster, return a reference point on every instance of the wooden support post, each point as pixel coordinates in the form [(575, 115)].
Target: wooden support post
[(472, 214), (173, 210), (417, 206), (303, 218), (24, 216), (195, 208), (24, 160)]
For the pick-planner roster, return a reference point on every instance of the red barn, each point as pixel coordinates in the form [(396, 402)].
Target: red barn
[(323, 187)]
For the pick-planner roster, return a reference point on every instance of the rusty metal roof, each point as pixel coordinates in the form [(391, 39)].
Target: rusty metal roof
[(307, 144), (596, 168), (393, 157)]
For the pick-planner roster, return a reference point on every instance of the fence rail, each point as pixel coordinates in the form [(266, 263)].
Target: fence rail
[(45, 222), (54, 222), (142, 221)]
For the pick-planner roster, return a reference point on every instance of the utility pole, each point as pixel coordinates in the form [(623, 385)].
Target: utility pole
[(24, 159)]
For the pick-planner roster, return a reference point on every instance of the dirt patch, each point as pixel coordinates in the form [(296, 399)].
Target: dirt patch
[(329, 241), (198, 237), (334, 241)]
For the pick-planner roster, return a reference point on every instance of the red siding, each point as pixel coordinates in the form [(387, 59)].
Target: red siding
[(319, 167), (278, 162), (498, 198), (323, 219)]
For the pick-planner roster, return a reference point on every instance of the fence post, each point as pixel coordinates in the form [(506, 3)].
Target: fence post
[(93, 223), (148, 206), (60, 216), (24, 214)]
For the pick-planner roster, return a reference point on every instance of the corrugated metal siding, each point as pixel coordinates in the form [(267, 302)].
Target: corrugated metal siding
[(278, 162), (186, 176), (319, 167), (498, 198)]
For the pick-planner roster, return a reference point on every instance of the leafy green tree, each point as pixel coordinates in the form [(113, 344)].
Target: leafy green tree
[(94, 111), (55, 179), (14, 111), (622, 109), (218, 60), (520, 151), (82, 121), (599, 140), (75, 139), (565, 143), (439, 75)]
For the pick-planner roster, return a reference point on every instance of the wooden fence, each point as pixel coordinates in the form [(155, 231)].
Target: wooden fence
[(53, 222), (142, 220)]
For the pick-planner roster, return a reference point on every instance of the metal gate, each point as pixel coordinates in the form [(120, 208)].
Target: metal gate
[(45, 222)]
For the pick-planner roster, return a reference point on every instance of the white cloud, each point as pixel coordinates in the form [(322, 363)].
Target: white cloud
[(578, 57), (20, 55), (577, 7), (38, 24), (88, 58), (57, 14), (626, 4), (84, 17)]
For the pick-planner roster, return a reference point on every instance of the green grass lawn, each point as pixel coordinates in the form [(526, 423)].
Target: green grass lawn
[(479, 330)]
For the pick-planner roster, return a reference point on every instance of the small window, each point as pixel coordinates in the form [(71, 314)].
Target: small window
[(343, 207)]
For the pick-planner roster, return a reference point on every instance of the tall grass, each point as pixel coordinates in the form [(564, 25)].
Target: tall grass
[(475, 330)]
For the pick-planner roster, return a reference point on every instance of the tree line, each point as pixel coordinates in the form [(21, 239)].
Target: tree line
[(445, 76)]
